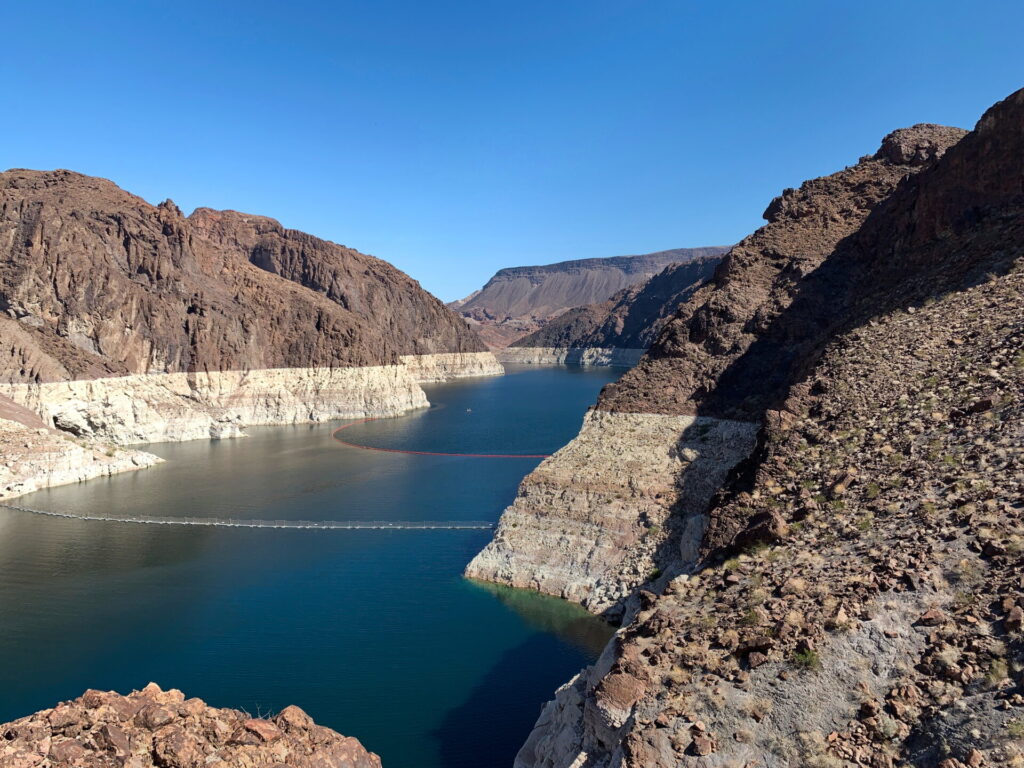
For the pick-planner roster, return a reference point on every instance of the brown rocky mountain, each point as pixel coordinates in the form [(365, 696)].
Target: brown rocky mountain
[(805, 499), (126, 322), (155, 728), (518, 300), (97, 282), (629, 321)]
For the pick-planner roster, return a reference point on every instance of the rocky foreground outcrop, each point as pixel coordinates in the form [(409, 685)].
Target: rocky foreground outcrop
[(124, 322), (153, 728), (855, 598), (519, 300)]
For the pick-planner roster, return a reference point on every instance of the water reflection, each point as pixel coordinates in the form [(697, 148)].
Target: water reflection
[(571, 623)]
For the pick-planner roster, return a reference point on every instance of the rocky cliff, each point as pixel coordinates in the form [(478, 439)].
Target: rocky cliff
[(153, 728), (698, 439), (126, 322), (518, 300), (96, 282), (615, 332), (854, 598)]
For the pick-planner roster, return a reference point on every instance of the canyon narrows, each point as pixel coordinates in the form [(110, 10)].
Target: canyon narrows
[(804, 500)]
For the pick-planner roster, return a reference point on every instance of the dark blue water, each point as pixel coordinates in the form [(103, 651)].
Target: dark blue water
[(374, 633)]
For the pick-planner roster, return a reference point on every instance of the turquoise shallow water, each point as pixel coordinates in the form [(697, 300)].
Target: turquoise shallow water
[(374, 633)]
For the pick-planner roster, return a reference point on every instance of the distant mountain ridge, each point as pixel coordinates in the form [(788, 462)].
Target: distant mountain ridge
[(632, 318), (518, 300)]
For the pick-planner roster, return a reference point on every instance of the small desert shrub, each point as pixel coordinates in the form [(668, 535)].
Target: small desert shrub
[(807, 659), (751, 618)]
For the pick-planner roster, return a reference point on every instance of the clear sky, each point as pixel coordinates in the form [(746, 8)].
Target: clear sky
[(455, 138)]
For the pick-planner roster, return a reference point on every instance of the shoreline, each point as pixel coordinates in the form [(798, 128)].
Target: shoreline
[(82, 427)]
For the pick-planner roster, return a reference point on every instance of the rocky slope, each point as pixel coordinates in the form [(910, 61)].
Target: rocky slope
[(163, 729), (552, 537), (855, 598), (126, 322), (617, 331), (518, 300)]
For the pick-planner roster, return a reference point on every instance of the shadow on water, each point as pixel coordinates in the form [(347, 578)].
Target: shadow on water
[(484, 732), (544, 613)]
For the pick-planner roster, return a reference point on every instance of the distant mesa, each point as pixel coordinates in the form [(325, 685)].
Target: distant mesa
[(519, 300)]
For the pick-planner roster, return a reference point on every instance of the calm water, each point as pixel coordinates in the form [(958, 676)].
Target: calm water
[(374, 633)]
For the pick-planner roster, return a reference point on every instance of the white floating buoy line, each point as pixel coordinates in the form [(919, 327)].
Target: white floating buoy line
[(216, 522)]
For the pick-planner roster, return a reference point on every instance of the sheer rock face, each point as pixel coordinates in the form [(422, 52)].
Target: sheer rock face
[(97, 282), (698, 367), (856, 599), (519, 300), (153, 728)]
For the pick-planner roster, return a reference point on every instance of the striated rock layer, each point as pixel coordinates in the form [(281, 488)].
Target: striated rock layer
[(186, 406), (676, 378), (856, 597), (592, 521), (36, 456), (152, 728)]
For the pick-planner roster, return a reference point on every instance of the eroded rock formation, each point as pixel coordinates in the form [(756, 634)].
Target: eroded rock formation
[(674, 383)]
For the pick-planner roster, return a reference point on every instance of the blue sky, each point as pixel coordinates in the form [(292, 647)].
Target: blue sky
[(455, 138)]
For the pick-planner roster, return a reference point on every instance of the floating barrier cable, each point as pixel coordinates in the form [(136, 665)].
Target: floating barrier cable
[(219, 522)]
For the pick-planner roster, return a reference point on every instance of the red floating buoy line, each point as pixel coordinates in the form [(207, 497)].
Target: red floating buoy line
[(334, 434)]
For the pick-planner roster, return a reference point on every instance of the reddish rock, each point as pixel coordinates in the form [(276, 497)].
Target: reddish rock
[(97, 282), (266, 730), (90, 732)]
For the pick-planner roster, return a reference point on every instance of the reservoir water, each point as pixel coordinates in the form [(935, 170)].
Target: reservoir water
[(373, 632)]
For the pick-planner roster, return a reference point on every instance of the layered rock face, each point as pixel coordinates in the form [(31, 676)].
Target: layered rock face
[(518, 300), (673, 384), (126, 322), (189, 406), (37, 456), (596, 518), (153, 728), (857, 600), (615, 332)]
